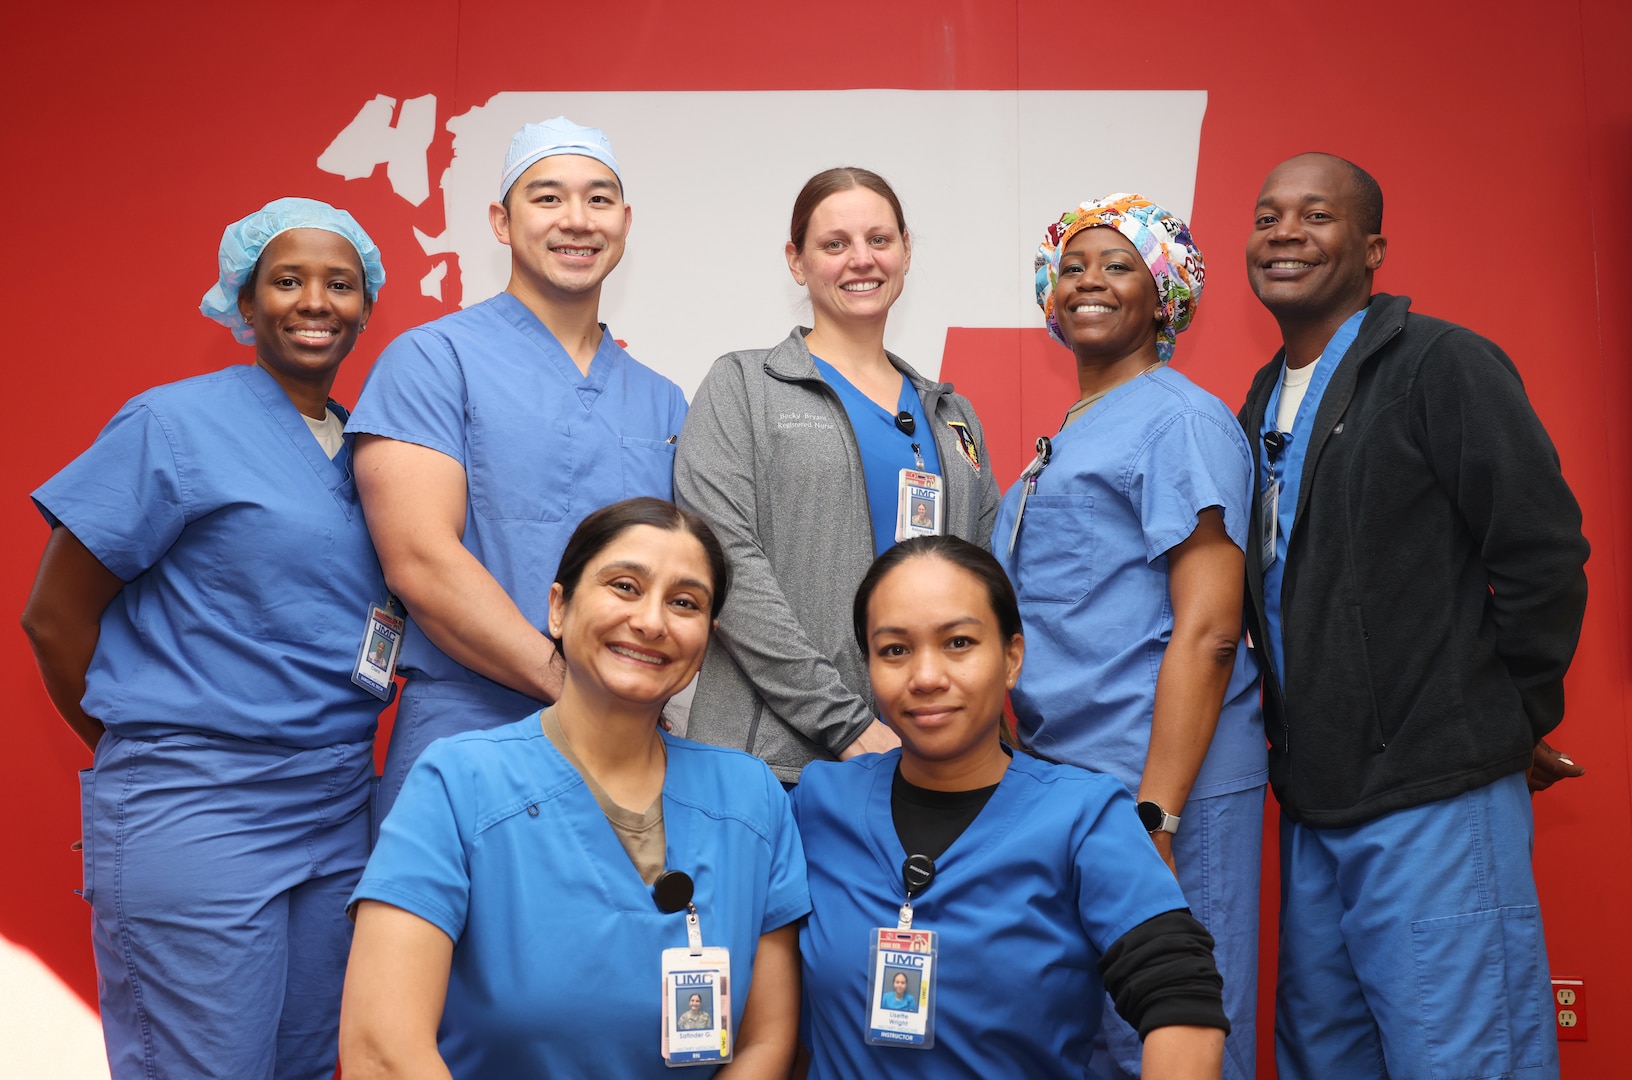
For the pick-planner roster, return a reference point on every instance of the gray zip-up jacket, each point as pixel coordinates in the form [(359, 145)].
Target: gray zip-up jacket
[(769, 459)]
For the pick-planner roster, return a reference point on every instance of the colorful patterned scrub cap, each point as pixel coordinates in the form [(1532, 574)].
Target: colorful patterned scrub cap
[(243, 241), (1162, 240), (535, 142)]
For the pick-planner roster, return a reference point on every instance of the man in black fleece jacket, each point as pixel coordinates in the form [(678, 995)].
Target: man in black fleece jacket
[(1415, 583)]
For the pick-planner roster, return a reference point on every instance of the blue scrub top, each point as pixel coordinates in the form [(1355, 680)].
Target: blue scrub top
[(498, 842), (885, 448), (247, 564), (541, 443), (1288, 468), (1051, 873), (1123, 487)]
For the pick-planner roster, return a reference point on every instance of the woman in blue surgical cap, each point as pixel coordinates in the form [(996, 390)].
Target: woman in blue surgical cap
[(199, 618)]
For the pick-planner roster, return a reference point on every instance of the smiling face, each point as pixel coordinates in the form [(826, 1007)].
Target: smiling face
[(637, 624), (1309, 257), (696, 1003), (939, 664), (855, 258), (1105, 298), (306, 305), (565, 225), (899, 984)]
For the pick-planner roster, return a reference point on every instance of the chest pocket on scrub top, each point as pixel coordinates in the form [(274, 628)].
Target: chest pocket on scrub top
[(520, 466), (1056, 550), (648, 467)]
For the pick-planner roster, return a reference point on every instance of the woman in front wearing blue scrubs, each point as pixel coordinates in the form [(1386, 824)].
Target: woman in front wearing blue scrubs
[(508, 925), (1036, 877), (197, 617), (799, 457), (1126, 549)]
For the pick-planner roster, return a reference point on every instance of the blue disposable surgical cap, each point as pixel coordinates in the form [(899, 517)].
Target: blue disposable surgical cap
[(535, 142), (243, 242)]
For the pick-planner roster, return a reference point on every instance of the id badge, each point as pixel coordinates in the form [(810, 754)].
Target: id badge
[(377, 655), (918, 505), (696, 1007), (1269, 520), (901, 973)]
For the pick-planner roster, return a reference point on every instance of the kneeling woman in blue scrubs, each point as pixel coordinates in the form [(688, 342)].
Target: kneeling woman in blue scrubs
[(1032, 886), (528, 910), (197, 618)]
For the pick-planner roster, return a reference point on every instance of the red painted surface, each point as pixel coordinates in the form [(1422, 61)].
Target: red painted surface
[(1503, 142)]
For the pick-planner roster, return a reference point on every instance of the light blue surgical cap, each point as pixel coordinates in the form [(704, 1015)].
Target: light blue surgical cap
[(243, 242), (535, 142)]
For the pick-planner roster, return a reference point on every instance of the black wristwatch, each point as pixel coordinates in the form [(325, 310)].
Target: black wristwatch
[(1156, 820)]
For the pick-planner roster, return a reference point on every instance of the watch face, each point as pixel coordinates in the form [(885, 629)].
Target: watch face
[(1150, 815)]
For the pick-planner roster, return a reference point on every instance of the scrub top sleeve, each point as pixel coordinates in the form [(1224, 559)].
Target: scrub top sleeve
[(1118, 878), (415, 393), (1192, 462), (714, 477), (421, 862), (124, 498), (788, 896)]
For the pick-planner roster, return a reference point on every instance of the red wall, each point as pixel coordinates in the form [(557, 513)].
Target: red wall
[(1503, 141)]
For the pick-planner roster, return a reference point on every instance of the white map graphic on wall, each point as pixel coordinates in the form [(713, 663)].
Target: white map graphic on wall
[(712, 177)]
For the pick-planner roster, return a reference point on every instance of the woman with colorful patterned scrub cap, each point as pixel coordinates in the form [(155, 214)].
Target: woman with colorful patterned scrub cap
[(197, 618), (803, 457), (1125, 539)]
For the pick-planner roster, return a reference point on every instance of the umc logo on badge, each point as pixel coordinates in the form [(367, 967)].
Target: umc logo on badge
[(980, 174)]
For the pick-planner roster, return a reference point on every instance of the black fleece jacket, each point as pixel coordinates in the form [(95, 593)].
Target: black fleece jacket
[(1434, 584)]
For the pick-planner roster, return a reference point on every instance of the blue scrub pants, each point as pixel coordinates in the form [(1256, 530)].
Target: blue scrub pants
[(1219, 850), (218, 871), (431, 709), (1411, 946)]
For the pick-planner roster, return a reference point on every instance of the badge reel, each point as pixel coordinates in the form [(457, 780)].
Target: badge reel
[(1028, 485), (901, 970), (919, 505), (377, 655), (696, 985)]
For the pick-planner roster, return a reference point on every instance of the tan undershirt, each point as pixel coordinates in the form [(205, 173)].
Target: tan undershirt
[(1074, 413), (641, 834)]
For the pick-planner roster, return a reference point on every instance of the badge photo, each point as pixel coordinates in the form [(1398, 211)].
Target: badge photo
[(696, 1007), (901, 971), (377, 654)]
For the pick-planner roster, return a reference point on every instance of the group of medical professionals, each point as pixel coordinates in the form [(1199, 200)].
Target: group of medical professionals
[(1364, 589)]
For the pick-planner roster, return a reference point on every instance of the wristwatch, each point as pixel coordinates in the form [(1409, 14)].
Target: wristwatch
[(1156, 820)]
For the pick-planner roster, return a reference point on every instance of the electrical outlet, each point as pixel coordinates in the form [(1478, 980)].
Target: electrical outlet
[(1569, 1007)]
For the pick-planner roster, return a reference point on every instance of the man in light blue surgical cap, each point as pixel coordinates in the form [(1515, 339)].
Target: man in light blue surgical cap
[(197, 618), (491, 432)]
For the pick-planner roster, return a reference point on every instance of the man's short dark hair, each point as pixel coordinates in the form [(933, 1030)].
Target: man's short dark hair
[(1368, 202)]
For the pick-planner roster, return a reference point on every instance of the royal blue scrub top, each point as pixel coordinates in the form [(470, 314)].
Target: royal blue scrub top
[(885, 449), (1287, 467), (1123, 487), (1048, 876), (541, 443), (248, 567), (497, 841)]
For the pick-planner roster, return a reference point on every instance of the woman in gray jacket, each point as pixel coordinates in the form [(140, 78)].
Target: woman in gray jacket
[(809, 459)]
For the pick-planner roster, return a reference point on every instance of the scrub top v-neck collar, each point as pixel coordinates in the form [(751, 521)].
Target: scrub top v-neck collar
[(625, 890), (333, 473), (988, 828), (588, 386)]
